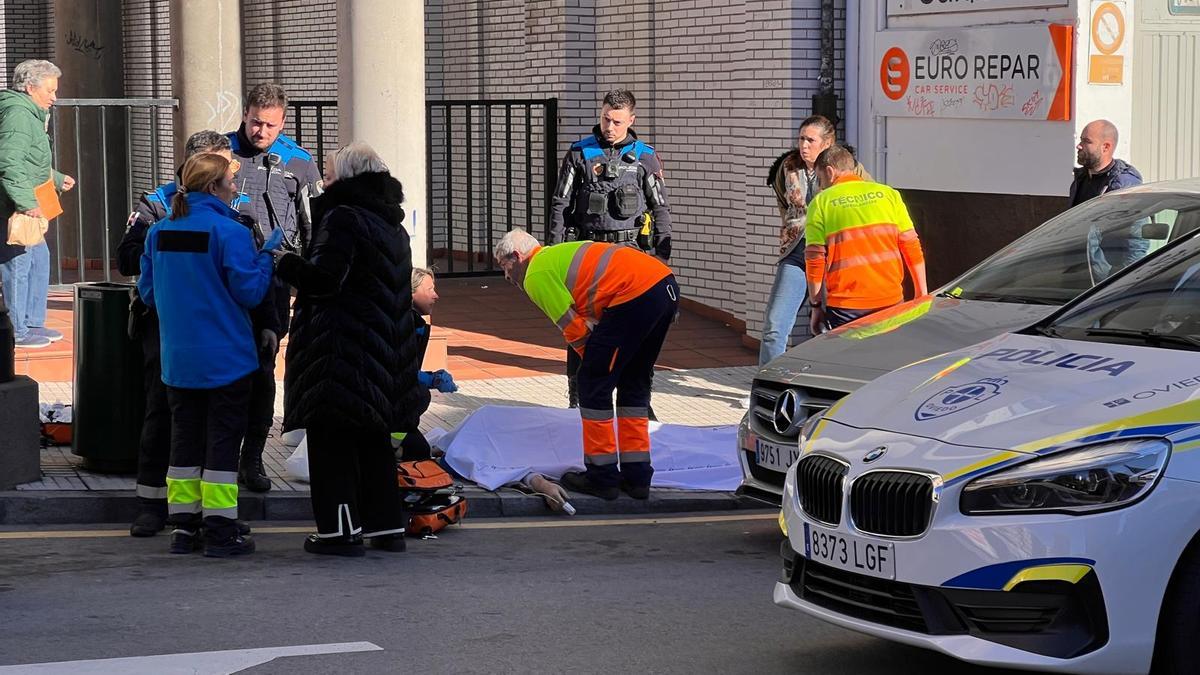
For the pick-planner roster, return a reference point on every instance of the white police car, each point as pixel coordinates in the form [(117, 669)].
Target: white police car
[(1032, 501)]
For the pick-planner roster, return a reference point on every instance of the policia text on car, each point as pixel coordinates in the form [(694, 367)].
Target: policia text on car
[(610, 189)]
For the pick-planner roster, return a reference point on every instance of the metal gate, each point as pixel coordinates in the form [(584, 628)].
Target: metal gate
[(116, 149), (491, 166)]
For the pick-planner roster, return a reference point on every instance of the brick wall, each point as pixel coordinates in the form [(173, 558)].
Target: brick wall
[(146, 31), (26, 32), (294, 44), (721, 86)]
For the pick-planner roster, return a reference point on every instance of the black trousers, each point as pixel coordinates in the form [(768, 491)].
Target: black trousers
[(154, 447), (353, 483), (415, 446), (620, 355), (261, 413), (206, 431)]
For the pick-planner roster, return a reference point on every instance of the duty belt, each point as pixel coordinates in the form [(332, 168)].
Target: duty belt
[(613, 236)]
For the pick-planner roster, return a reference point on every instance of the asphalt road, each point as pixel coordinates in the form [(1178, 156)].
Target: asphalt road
[(499, 596)]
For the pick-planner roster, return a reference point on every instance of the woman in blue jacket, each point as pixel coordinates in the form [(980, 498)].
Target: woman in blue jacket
[(201, 271)]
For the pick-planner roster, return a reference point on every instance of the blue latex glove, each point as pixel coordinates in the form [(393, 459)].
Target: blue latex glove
[(444, 382), (425, 378), (274, 240)]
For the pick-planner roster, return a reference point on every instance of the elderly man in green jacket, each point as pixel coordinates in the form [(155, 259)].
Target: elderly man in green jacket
[(24, 164)]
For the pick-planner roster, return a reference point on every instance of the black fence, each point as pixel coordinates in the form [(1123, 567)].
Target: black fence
[(313, 123), (491, 166), (116, 149)]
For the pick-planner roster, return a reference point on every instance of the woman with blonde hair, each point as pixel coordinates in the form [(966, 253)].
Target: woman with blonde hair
[(202, 272)]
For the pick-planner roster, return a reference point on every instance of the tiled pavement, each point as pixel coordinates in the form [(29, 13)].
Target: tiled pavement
[(501, 350), (700, 397)]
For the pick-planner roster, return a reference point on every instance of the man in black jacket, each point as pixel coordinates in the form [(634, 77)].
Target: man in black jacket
[(609, 181), (155, 444), (275, 181)]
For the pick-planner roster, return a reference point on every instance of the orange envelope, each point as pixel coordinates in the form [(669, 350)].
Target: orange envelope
[(47, 200)]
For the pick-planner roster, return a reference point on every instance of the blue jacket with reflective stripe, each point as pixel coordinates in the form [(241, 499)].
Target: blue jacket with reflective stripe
[(203, 274)]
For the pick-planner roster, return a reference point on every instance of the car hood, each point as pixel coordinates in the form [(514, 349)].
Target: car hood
[(859, 352), (1029, 394)]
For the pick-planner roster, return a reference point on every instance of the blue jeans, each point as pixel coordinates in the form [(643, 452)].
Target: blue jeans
[(26, 281), (787, 296)]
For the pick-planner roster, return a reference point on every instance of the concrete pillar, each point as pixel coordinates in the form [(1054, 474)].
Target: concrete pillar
[(89, 49), (381, 95), (206, 66)]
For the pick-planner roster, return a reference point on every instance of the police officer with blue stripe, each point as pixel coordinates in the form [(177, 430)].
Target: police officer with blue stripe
[(275, 181), (608, 184), (155, 442)]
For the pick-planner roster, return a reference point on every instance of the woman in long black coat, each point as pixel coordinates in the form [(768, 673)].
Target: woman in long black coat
[(351, 376)]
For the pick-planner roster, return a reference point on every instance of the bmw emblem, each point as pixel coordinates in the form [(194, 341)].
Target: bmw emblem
[(788, 417), (874, 454)]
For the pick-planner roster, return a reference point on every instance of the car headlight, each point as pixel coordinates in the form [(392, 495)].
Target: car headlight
[(1092, 478)]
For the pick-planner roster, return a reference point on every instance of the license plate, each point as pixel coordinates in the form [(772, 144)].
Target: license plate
[(850, 553), (774, 456)]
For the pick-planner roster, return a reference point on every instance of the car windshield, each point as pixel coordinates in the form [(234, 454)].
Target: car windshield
[(1080, 248), (1156, 304)]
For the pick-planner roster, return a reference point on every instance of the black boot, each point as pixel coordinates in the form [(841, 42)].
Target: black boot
[(348, 546), (577, 481), (184, 540), (151, 518), (389, 542), (251, 473)]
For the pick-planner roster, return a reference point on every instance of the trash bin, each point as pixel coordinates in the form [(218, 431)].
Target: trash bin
[(109, 396)]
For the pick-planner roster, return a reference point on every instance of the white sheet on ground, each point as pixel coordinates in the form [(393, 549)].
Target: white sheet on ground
[(497, 445)]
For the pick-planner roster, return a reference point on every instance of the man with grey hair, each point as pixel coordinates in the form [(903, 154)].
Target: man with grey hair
[(155, 442), (1100, 172), (614, 305), (25, 165)]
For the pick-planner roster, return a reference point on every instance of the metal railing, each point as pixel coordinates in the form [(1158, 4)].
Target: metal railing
[(487, 162), (308, 126), (93, 140)]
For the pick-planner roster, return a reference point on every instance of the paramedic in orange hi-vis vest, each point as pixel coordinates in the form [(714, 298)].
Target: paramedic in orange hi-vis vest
[(614, 305), (860, 240)]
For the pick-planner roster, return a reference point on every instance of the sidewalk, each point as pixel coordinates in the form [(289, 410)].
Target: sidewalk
[(500, 350)]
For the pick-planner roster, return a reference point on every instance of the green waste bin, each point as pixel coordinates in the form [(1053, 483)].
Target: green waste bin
[(110, 399)]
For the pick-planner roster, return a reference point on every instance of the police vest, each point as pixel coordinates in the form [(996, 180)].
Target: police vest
[(611, 197)]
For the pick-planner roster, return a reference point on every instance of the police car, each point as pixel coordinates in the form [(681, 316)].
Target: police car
[(1032, 501), (1018, 286)]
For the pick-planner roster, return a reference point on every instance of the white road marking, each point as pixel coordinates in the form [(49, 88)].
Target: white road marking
[(195, 663), (473, 525)]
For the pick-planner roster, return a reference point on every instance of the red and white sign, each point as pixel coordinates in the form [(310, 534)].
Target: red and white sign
[(1000, 72)]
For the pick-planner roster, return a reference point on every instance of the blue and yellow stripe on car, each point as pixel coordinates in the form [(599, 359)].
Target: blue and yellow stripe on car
[(1155, 423), (1009, 575)]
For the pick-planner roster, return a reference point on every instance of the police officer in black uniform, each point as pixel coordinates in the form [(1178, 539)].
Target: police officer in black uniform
[(275, 181), (608, 184), (155, 443)]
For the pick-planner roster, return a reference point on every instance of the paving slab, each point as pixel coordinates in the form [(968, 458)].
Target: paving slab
[(70, 493)]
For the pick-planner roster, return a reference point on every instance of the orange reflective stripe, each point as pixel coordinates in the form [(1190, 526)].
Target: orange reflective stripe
[(613, 363), (886, 231), (862, 260), (599, 442), (597, 277), (633, 435)]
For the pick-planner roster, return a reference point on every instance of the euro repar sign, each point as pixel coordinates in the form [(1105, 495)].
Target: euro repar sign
[(1002, 72)]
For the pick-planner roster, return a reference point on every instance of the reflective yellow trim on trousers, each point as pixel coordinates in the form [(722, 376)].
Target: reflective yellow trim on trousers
[(218, 496), (183, 491)]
